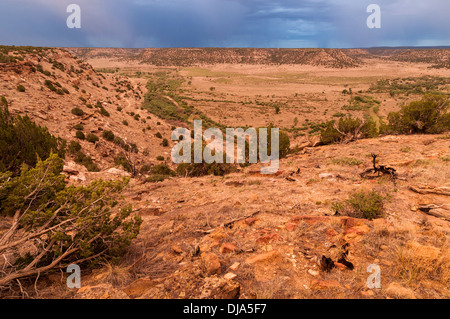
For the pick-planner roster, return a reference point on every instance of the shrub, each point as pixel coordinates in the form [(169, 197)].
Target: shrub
[(165, 142), (104, 112), (368, 205), (74, 147), (348, 129), (201, 169), (145, 169), (162, 169), (121, 160), (156, 178), (120, 142), (86, 161), (50, 85), (3, 101), (23, 142), (77, 111), (125, 122), (108, 135), (20, 88), (158, 135), (79, 127), (80, 135), (160, 158), (79, 225), (92, 138), (427, 116)]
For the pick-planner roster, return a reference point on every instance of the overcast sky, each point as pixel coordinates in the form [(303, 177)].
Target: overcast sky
[(225, 23)]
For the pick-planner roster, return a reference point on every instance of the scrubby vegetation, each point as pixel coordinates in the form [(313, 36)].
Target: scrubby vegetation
[(92, 138), (24, 142), (362, 204), (80, 135), (54, 225), (86, 161), (108, 135), (348, 129), (77, 111), (410, 85), (429, 115), (65, 225), (193, 169)]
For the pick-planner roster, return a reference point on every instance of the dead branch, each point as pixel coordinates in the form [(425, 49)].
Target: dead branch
[(26, 273), (380, 170), (350, 136)]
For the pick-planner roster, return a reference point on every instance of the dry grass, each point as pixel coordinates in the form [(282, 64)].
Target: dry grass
[(417, 262), (117, 275)]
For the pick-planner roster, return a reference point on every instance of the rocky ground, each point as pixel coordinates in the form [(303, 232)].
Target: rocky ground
[(249, 236)]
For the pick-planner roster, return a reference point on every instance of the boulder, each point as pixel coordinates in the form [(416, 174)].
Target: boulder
[(227, 248), (211, 263)]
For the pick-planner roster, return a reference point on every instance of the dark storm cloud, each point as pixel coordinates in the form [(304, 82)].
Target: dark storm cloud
[(229, 23)]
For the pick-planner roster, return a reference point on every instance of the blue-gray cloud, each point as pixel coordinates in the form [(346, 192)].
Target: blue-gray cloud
[(225, 23)]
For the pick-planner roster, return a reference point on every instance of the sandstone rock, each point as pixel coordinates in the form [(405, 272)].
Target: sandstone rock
[(331, 232), (268, 257), (227, 248), (266, 239), (349, 222), (77, 178), (325, 284), (396, 290), (218, 234), (116, 171), (139, 287), (314, 273), (310, 219), (176, 249), (211, 263), (235, 266), (230, 276), (230, 290), (355, 233)]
